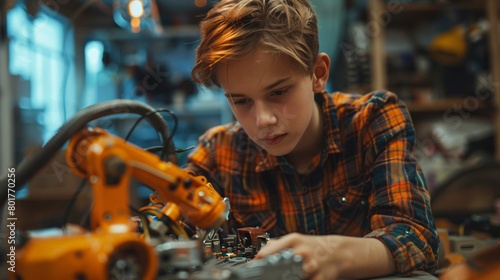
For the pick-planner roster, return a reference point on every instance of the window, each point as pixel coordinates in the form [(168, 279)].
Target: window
[(40, 56)]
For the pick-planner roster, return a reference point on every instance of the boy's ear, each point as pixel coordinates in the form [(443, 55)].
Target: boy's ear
[(321, 72)]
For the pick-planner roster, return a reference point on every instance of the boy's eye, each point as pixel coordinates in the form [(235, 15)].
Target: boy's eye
[(279, 92), (241, 101)]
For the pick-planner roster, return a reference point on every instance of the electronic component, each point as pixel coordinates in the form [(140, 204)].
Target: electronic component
[(284, 265)]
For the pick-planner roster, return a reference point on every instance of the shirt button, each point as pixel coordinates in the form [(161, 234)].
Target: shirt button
[(343, 200)]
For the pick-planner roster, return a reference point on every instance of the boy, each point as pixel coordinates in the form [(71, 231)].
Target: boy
[(333, 174)]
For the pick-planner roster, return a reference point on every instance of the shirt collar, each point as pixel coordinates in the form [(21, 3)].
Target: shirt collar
[(330, 121)]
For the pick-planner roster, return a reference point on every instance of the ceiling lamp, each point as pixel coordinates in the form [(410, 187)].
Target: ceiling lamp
[(137, 15)]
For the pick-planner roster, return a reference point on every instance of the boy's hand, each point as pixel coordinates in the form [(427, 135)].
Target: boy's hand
[(318, 252), (335, 256)]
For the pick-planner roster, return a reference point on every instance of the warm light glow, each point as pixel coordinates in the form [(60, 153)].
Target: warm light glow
[(136, 8), (200, 3), (135, 24)]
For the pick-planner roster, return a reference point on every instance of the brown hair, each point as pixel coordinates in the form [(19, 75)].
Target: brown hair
[(232, 28)]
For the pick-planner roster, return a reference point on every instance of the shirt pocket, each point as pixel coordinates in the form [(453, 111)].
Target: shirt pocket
[(348, 209)]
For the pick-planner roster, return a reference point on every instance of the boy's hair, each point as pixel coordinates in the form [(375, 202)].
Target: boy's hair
[(233, 28)]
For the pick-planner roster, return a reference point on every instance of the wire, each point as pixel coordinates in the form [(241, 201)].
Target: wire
[(156, 149), (166, 141), (144, 221), (178, 230), (145, 227), (187, 227), (71, 203), (147, 115), (151, 211)]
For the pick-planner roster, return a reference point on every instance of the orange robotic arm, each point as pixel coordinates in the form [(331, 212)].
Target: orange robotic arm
[(113, 248), (110, 162)]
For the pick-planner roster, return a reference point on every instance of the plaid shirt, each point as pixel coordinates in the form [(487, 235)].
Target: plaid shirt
[(365, 183)]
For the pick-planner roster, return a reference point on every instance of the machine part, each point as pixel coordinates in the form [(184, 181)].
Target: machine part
[(156, 199), (238, 260), (468, 246), (28, 168), (172, 211), (112, 246), (180, 256), (284, 265), (95, 256), (216, 247), (126, 263), (159, 227), (165, 221), (246, 243), (248, 236)]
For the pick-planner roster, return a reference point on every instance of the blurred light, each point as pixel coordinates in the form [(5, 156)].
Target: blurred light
[(137, 15), (200, 3), (135, 24), (93, 56), (136, 8)]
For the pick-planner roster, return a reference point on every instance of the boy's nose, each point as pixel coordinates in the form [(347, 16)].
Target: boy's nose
[(265, 115)]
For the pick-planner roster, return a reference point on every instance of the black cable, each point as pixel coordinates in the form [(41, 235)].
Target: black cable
[(174, 129), (71, 203), (164, 153), (85, 221), (156, 149), (148, 114), (184, 149)]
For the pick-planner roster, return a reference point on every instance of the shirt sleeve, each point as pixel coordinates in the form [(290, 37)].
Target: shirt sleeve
[(400, 201), (201, 161)]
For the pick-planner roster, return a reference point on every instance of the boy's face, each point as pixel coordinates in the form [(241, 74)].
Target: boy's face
[(272, 99)]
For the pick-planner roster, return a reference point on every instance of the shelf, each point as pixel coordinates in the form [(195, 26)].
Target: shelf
[(406, 15), (411, 13), (439, 7), (412, 79), (443, 105)]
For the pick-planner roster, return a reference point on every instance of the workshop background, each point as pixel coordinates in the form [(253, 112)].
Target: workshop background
[(442, 57)]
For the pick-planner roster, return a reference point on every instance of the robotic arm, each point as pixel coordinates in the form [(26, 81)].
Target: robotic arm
[(112, 249), (109, 163)]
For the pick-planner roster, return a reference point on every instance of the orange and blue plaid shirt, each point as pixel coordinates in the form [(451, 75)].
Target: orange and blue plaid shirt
[(365, 183)]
